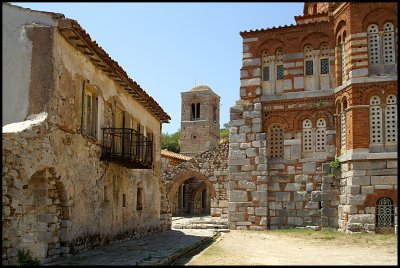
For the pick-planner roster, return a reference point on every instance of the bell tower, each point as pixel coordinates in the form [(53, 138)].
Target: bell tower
[(199, 120)]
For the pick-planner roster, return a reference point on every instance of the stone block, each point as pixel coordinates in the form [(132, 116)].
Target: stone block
[(301, 178), (261, 211), (66, 234), (236, 216), (282, 196), (359, 180), (288, 205), (361, 218), (312, 205), (252, 62), (46, 218), (309, 186), (259, 195), (326, 168), (353, 189), (292, 187), (309, 168), (238, 196), (300, 196), (356, 199), (383, 180), (295, 221), (299, 83), (392, 164), (275, 205)]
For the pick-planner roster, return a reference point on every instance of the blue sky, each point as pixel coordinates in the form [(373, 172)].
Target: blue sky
[(168, 48)]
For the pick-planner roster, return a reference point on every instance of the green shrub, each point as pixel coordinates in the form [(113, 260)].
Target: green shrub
[(25, 258)]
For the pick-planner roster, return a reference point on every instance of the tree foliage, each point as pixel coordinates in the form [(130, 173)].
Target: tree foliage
[(170, 142), (224, 133)]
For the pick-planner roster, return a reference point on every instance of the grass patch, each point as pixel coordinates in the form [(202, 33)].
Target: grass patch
[(331, 234)]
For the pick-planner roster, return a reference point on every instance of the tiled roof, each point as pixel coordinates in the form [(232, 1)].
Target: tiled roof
[(137, 92), (116, 73), (167, 153)]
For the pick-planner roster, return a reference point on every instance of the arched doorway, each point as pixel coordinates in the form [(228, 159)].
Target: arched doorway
[(190, 193)]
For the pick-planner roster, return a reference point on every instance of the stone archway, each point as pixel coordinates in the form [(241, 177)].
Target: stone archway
[(183, 193), (45, 217)]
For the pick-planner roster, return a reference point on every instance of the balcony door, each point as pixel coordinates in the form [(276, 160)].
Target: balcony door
[(119, 124)]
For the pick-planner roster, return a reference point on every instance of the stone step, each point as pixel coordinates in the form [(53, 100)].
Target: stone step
[(200, 226)]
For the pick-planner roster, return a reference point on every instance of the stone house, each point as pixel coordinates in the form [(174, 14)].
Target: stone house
[(320, 91), (81, 142)]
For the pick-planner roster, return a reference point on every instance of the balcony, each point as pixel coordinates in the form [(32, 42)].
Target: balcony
[(127, 147)]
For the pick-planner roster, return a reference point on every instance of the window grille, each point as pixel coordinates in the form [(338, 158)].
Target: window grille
[(391, 119), (343, 61), (373, 45), (307, 135), (309, 67), (276, 141), (324, 66), (375, 117), (279, 72), (388, 43), (320, 135), (343, 131), (266, 73), (385, 212)]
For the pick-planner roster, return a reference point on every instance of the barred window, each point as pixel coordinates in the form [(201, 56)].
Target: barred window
[(343, 58), (307, 136), (279, 72), (373, 44), (266, 73), (309, 67), (388, 43), (275, 138), (343, 131), (391, 119), (375, 117), (384, 212), (324, 66), (320, 135)]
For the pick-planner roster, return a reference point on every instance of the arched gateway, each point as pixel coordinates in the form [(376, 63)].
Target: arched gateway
[(199, 186)]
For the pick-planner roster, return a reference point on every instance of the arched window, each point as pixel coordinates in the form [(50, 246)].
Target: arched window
[(307, 136), (373, 45), (343, 126), (195, 115), (275, 138), (391, 119), (214, 114), (266, 69), (343, 60), (375, 119), (320, 134), (279, 64), (308, 61), (388, 43), (384, 212)]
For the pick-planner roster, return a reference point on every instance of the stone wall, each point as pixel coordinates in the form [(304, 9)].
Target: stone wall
[(54, 205), (211, 168), (364, 180)]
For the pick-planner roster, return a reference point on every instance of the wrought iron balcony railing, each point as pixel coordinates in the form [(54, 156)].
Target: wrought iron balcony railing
[(127, 147)]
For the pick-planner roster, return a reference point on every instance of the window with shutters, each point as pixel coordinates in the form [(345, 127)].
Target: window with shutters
[(275, 138), (343, 61), (373, 45), (324, 58), (89, 122), (388, 43), (375, 119), (391, 119), (279, 62), (343, 127), (308, 60), (320, 135), (307, 136), (266, 66)]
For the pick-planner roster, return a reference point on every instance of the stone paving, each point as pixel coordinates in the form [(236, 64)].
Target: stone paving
[(162, 248)]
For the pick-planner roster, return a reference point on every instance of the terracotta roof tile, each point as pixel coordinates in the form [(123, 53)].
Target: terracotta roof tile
[(167, 153)]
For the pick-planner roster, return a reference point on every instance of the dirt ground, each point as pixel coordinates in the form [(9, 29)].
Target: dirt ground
[(304, 247)]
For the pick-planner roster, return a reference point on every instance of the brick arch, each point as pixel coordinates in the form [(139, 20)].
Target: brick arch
[(378, 92), (298, 125), (276, 119), (340, 27), (371, 199), (314, 115), (181, 177), (379, 16), (314, 39), (271, 45), (327, 115)]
